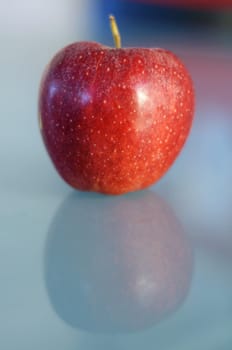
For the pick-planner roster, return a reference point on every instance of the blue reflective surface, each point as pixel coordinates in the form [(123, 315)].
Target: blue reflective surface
[(116, 265), (145, 270)]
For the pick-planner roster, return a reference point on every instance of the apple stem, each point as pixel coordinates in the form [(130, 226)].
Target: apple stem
[(115, 32)]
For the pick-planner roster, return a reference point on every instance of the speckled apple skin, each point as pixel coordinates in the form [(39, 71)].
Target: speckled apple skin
[(114, 120)]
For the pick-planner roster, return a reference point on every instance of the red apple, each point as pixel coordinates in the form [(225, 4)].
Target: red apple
[(113, 120)]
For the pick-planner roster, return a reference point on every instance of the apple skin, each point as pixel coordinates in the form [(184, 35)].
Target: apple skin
[(116, 265), (114, 120)]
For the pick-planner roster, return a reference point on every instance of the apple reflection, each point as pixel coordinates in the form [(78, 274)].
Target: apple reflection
[(116, 264)]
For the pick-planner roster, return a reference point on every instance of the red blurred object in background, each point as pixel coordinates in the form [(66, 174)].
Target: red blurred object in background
[(209, 4)]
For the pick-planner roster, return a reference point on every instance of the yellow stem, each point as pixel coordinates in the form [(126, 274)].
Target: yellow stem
[(115, 32)]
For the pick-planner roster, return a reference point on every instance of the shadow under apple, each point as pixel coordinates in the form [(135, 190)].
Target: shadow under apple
[(116, 264)]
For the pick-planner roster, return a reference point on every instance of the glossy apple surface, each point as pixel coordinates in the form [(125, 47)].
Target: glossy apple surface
[(114, 120), (116, 264)]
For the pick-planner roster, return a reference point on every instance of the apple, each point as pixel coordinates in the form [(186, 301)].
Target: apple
[(117, 264), (114, 120)]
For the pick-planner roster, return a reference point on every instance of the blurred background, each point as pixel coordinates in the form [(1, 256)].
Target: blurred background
[(35, 203)]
